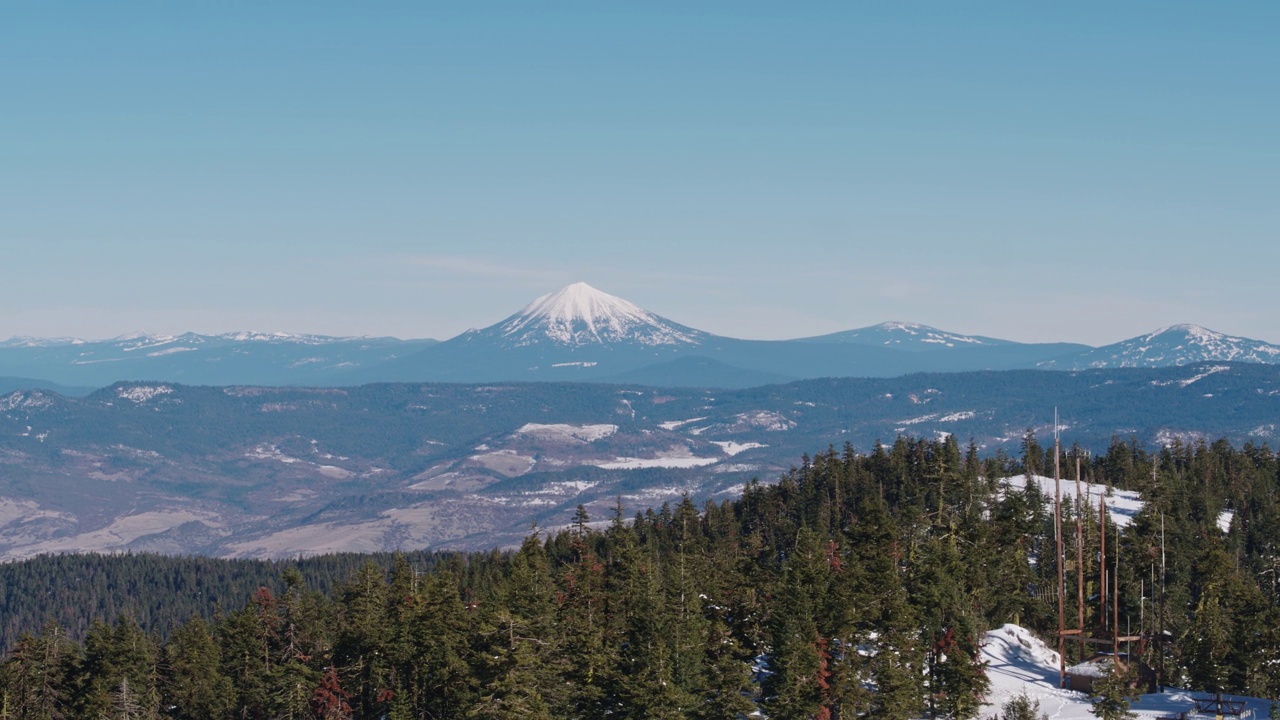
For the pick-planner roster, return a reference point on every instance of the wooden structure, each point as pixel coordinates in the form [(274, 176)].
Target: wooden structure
[(1106, 633), (1221, 708), (1082, 676)]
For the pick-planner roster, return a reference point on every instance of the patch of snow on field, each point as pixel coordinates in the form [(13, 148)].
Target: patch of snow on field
[(732, 448), (626, 463), (673, 424), (956, 416), (561, 432), (1193, 378), (170, 351), (1122, 505), (270, 452), (766, 420), (736, 468), (568, 487)]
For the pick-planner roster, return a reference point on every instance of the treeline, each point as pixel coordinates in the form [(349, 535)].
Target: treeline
[(857, 585), (158, 592)]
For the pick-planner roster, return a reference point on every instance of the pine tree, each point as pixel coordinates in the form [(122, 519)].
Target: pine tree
[(729, 687), (443, 683), (34, 677), (798, 658), (1022, 707), (522, 674), (192, 684), (1112, 696), (112, 654), (361, 645)]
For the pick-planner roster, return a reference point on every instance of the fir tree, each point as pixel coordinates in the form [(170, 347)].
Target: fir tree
[(1113, 695), (1022, 707)]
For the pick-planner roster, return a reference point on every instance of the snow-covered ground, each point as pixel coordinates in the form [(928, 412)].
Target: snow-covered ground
[(732, 448), (1122, 505), (1018, 662), (629, 463), (564, 432)]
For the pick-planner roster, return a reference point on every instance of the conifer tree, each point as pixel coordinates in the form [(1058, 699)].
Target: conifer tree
[(193, 686), (798, 658), (114, 654), (1022, 707), (522, 678), (1112, 696), (35, 676)]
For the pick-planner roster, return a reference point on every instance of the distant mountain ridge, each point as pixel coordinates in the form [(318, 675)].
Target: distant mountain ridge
[(225, 359), (908, 336), (579, 333), (277, 472), (1173, 346)]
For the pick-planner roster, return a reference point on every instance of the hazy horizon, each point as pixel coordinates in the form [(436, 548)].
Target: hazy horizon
[(1038, 173)]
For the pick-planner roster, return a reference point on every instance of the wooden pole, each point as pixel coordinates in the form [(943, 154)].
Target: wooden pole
[(1115, 599), (1057, 532), (1079, 561), (1102, 560)]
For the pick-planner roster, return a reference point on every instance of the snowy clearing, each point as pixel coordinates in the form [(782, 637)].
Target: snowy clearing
[(562, 432), (673, 424), (732, 448), (1122, 505), (624, 463)]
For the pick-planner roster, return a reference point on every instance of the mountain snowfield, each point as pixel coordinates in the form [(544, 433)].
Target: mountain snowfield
[(579, 314), (1019, 662)]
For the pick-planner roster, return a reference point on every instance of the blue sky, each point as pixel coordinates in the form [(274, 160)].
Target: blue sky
[(1035, 171)]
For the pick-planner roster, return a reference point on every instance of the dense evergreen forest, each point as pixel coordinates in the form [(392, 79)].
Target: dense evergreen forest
[(855, 585)]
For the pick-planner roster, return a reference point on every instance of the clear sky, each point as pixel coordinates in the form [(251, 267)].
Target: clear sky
[(1037, 171)]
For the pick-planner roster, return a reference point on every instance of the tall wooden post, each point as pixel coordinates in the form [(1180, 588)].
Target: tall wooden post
[(1080, 509), (1057, 560), (1102, 559)]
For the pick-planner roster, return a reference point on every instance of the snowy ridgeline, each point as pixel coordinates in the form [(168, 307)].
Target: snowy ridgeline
[(1018, 662)]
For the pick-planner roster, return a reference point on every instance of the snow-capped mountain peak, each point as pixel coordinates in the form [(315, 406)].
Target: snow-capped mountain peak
[(579, 314), (1171, 346)]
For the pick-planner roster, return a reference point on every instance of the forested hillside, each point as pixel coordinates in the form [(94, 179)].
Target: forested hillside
[(858, 584)]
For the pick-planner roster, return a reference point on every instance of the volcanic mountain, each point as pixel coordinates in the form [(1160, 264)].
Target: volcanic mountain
[(574, 333), (580, 316)]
